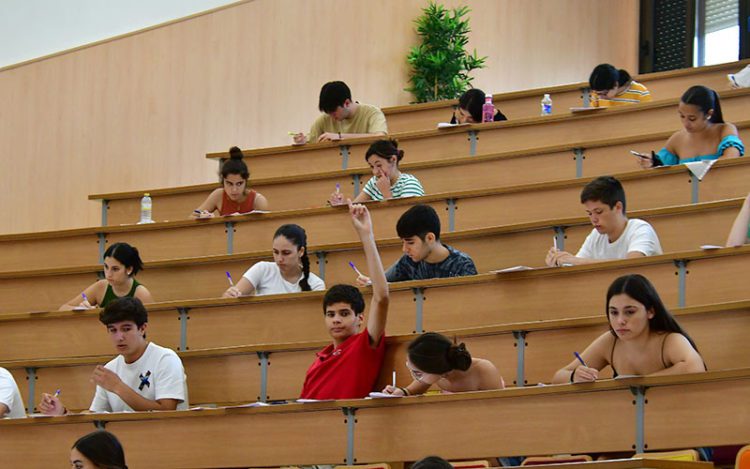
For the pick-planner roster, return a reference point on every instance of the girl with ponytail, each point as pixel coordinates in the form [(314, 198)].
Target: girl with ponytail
[(434, 359), (705, 135), (288, 273), (235, 196)]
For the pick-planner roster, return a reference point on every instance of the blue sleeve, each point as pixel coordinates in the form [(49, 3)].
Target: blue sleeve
[(731, 141), (667, 158), (399, 271)]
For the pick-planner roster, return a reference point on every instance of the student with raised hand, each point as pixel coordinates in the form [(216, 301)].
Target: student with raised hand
[(434, 359), (469, 110), (612, 87), (342, 117), (235, 196), (740, 233), (705, 135), (643, 338), (425, 256), (98, 449), (121, 264), (11, 403), (288, 273), (387, 181), (615, 236), (144, 376), (349, 367)]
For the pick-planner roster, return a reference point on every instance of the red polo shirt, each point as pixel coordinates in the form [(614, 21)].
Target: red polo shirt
[(348, 371)]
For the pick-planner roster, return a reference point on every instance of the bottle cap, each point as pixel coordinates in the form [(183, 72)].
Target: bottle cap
[(146, 194)]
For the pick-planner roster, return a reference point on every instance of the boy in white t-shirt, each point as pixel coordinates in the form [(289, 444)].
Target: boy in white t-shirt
[(11, 404), (143, 377), (614, 236)]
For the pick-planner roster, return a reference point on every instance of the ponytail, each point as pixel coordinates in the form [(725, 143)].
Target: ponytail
[(434, 353), (304, 284)]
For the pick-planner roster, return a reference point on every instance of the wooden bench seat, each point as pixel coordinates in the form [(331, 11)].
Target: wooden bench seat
[(533, 421), (525, 103), (534, 165), (679, 229)]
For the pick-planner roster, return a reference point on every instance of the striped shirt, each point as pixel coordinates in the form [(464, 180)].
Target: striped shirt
[(406, 186), (635, 93)]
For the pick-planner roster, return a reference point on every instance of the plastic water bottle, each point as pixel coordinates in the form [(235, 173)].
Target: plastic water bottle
[(488, 110), (146, 209), (546, 105)]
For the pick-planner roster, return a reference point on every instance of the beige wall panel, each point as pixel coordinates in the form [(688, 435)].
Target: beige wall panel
[(43, 254), (670, 407), (260, 439), (499, 426), (141, 111), (717, 280), (721, 337), (223, 379), (190, 241), (41, 293), (517, 299)]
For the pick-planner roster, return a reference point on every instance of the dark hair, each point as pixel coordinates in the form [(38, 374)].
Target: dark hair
[(297, 236), (103, 449), (384, 149), (127, 255), (605, 189), (434, 353), (124, 309), (332, 95), (418, 221), (706, 99), (606, 76), (432, 462), (342, 293), (234, 165), (641, 290), (472, 101)]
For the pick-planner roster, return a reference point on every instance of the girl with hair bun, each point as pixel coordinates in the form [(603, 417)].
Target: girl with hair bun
[(643, 338), (288, 273), (434, 359), (235, 196), (705, 135), (121, 264), (612, 87), (98, 449), (387, 181)]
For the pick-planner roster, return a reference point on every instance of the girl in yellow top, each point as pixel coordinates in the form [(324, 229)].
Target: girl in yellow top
[(612, 87)]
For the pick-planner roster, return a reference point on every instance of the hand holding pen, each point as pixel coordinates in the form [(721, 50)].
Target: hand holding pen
[(232, 291), (337, 198), (583, 373), (51, 404), (362, 280)]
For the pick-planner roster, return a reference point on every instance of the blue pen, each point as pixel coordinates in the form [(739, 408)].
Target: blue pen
[(57, 393), (580, 359), (229, 277), (351, 264), (85, 298)]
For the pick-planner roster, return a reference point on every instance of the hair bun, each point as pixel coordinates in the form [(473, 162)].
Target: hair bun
[(235, 153), (458, 357)]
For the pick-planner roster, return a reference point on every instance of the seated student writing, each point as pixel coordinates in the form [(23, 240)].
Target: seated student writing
[(643, 338), (235, 196), (121, 264), (387, 181), (612, 87), (98, 449), (11, 403), (349, 367), (740, 233), (434, 359), (469, 110), (705, 135), (288, 273), (425, 256), (342, 117), (614, 236), (144, 376)]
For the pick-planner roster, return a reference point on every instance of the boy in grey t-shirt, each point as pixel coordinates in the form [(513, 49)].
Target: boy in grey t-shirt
[(425, 256)]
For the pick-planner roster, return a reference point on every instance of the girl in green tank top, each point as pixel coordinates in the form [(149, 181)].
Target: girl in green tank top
[(121, 263)]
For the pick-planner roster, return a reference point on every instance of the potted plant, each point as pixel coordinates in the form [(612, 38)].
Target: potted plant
[(440, 64)]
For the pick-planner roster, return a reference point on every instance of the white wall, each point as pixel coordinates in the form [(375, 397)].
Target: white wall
[(35, 28)]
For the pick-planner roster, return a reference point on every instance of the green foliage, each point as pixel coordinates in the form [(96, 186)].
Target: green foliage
[(441, 65)]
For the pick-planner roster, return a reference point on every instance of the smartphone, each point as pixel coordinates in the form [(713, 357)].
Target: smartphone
[(640, 155)]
